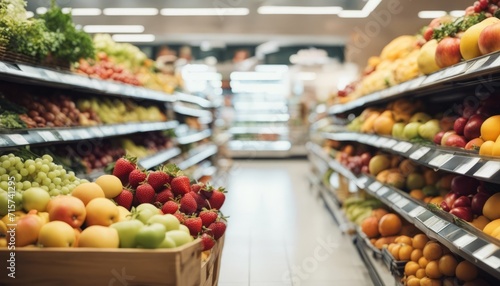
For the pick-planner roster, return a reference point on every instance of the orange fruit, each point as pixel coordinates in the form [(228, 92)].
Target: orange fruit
[(420, 273), (432, 251), (423, 262), (379, 213), (404, 239), (486, 148), (432, 270), (395, 251), (480, 222), (491, 226), (466, 271), (413, 281), (405, 252), (416, 254), (411, 268), (420, 240), (489, 128), (447, 265), (389, 224), (370, 227), (426, 281)]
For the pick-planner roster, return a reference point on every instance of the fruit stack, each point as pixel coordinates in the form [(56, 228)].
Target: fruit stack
[(197, 206)]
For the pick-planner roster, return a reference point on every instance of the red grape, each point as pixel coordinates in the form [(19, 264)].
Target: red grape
[(477, 8), (483, 3), (492, 8)]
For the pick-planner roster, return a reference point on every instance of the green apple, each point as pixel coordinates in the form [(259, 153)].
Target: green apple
[(150, 236), (179, 237), (184, 228), (168, 242), (411, 130), (144, 215), (35, 199), (397, 130), (127, 232), (4, 202), (169, 221), (146, 206), (420, 117), (429, 129)]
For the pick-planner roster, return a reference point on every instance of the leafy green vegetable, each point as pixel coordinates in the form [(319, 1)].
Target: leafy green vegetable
[(459, 25), (11, 120)]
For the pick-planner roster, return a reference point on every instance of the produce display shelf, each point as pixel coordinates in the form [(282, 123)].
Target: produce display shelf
[(193, 137), (443, 158), (200, 101), (259, 130), (200, 153), (194, 112), (466, 73), (53, 78), (204, 170), (262, 118), (55, 135), (158, 158), (259, 149), (261, 106)]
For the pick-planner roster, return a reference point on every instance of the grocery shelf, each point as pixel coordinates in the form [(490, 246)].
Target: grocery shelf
[(281, 130), (255, 149), (200, 101), (42, 136), (193, 137), (205, 170), (200, 153), (261, 106), (448, 79), (449, 159), (158, 158), (52, 78), (262, 117), (193, 112)]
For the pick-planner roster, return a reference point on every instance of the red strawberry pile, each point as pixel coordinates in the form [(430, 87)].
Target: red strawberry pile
[(197, 205)]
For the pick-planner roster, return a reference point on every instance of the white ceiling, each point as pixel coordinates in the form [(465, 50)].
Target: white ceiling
[(256, 28)]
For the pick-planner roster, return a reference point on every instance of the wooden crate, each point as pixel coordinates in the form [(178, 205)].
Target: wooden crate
[(113, 267), (210, 269)]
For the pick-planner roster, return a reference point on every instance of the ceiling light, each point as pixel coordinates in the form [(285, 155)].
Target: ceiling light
[(41, 10), (363, 13), (204, 12), (82, 11), (29, 14), (297, 10), (113, 28), (133, 38), (457, 13), (130, 11), (431, 14)]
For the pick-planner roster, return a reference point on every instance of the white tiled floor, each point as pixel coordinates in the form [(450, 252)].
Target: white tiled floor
[(280, 233)]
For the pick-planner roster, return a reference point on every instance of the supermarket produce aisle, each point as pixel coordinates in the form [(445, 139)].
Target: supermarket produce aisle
[(280, 233)]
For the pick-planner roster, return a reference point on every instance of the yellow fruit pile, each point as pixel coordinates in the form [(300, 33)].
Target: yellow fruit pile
[(490, 133)]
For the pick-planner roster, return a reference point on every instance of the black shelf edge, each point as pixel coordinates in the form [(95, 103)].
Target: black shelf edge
[(448, 159), (443, 79), (54, 78), (200, 153), (59, 135), (159, 158), (194, 137)]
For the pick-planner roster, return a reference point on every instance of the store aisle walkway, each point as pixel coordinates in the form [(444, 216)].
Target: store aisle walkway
[(279, 233)]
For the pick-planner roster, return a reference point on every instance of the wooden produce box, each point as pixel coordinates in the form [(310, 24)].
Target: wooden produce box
[(105, 267), (210, 269)]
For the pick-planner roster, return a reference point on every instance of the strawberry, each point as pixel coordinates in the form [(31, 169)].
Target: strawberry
[(196, 188), (170, 207), (164, 196), (145, 193), (123, 167), (136, 177), (200, 200), (124, 199), (158, 180), (135, 202), (194, 225), (217, 229), (207, 191), (217, 199), (188, 204), (208, 217), (180, 185), (207, 241), (180, 216)]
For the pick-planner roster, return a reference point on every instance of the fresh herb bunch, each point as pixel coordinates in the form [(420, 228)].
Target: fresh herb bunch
[(75, 44), (459, 25)]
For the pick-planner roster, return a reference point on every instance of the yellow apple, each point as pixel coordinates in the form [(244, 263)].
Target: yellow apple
[(469, 47), (427, 57), (124, 214), (87, 191), (111, 185), (56, 234), (99, 236), (101, 211)]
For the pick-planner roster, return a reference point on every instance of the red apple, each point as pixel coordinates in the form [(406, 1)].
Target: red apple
[(446, 123), (455, 140), (365, 158), (473, 127), (445, 136), (450, 198), (428, 33), (464, 186), (459, 125), (462, 201), (488, 39), (464, 213), (444, 206), (478, 202), (68, 209), (438, 137), (365, 169), (474, 144), (448, 52)]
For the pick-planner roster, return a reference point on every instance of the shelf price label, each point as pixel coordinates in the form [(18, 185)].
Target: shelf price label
[(435, 224), (3, 67), (18, 139), (492, 261), (464, 240), (83, 134), (456, 70), (394, 197), (390, 143), (477, 64), (361, 182), (466, 166), (382, 191), (47, 136), (53, 76), (66, 135), (417, 82), (489, 169), (416, 211), (402, 202), (486, 251), (440, 160), (381, 142), (495, 63), (404, 86), (3, 142), (419, 153), (375, 186), (402, 147)]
